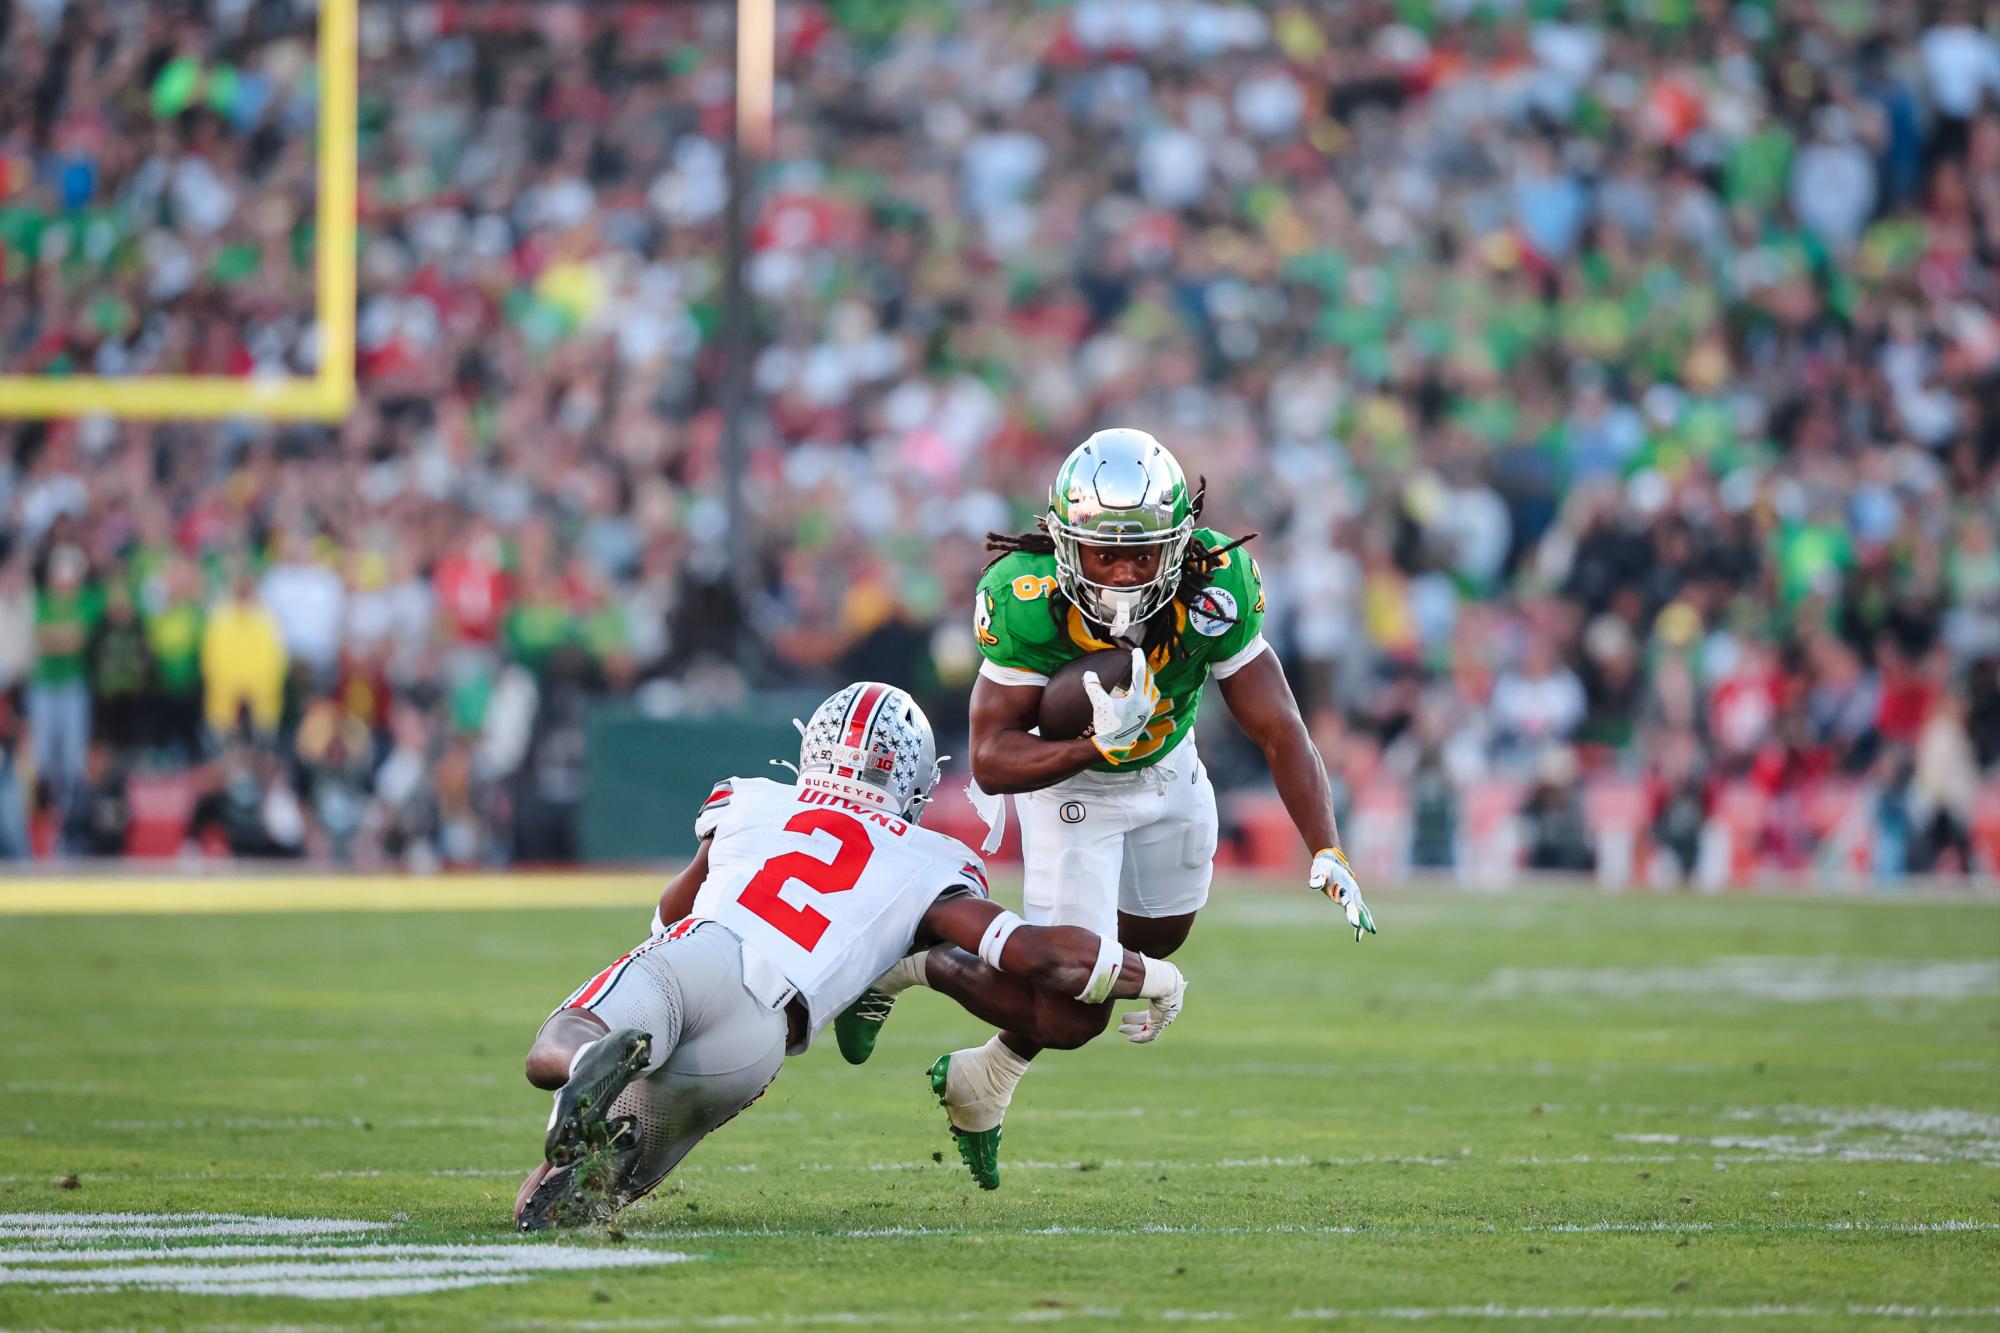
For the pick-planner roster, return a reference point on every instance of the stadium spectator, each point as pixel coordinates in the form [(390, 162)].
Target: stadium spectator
[(1944, 784), (176, 626), (120, 669), (246, 805), (58, 689), (242, 659), (1538, 705), (104, 810), (14, 843), (308, 602), (17, 622)]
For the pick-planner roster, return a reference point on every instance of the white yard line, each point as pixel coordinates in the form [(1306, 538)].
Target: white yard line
[(206, 1253), (270, 1226), (1728, 1150), (319, 1289), (1780, 979), (35, 1252), (1936, 1135), (281, 1124), (353, 1266), (1322, 1314), (91, 1226), (1387, 1230)]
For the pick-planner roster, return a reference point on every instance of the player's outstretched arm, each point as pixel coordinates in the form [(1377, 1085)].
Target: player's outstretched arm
[(1005, 756), (1260, 699), (1066, 961)]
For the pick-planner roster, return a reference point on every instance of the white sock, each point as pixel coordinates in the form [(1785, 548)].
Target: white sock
[(907, 972), (575, 1059), (1006, 1063), (980, 1082)]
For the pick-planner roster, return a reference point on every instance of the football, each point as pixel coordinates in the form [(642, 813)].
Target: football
[(1065, 706)]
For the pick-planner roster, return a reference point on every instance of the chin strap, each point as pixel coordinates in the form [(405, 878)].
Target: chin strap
[(918, 804), (786, 763)]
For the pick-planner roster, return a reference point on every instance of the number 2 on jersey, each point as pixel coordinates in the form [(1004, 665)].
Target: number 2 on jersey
[(802, 925)]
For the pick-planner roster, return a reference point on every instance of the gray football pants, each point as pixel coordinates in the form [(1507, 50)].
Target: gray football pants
[(715, 1047)]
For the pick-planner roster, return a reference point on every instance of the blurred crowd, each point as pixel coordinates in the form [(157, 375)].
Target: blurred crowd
[(1615, 388)]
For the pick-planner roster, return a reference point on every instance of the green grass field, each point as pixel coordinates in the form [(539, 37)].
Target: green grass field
[(1551, 1108)]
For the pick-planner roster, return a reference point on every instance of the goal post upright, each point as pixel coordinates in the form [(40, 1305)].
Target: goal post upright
[(329, 392)]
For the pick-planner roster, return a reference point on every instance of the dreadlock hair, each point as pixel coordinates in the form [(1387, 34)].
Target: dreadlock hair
[(1198, 569)]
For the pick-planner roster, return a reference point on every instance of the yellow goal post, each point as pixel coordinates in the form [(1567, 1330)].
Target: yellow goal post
[(329, 393)]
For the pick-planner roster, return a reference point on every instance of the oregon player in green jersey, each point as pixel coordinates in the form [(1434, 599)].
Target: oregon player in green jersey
[(1118, 828)]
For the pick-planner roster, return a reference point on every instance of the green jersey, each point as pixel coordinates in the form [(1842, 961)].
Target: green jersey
[(1025, 632)]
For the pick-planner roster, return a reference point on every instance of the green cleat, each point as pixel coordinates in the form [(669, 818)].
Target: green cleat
[(979, 1149), (860, 1024)]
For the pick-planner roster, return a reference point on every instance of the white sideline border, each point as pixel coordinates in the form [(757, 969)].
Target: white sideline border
[(56, 1252)]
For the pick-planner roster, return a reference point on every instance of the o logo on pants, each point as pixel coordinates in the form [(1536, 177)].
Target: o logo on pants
[(1071, 812)]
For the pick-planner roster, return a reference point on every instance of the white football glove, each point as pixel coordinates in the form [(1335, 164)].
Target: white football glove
[(1332, 877), (1119, 718), (1142, 1025)]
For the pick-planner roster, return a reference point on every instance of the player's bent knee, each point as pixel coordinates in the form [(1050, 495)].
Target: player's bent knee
[(547, 1065), (1068, 1025), (1155, 936), (543, 1069)]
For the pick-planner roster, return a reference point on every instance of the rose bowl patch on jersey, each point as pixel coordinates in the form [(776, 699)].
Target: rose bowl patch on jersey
[(1213, 612)]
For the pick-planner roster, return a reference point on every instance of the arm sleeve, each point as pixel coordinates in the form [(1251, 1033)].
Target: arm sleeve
[(713, 808), (971, 879), (1010, 631), (1007, 675), (968, 882), (1243, 642)]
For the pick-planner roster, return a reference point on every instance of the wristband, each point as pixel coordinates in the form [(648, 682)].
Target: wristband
[(995, 938), (1110, 957), (1162, 978)]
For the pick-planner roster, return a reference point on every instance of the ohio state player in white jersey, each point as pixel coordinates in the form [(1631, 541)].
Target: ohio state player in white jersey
[(799, 898), (825, 923)]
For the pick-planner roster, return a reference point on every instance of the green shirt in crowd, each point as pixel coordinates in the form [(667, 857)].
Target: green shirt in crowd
[(175, 637), (70, 617)]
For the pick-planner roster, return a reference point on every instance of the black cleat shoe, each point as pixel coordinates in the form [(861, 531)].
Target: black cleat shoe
[(577, 1127), (588, 1190)]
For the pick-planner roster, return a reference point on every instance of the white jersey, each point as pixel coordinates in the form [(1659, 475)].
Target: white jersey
[(827, 890)]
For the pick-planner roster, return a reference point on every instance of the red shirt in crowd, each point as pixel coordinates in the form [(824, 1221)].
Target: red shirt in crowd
[(473, 594), (1906, 702)]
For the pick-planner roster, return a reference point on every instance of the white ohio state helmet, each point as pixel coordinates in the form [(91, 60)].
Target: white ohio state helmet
[(871, 743)]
